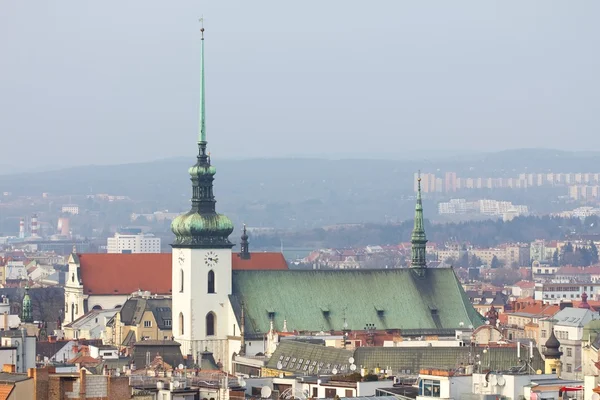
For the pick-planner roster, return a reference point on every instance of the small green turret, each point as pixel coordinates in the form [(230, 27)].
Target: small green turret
[(418, 238), (27, 310)]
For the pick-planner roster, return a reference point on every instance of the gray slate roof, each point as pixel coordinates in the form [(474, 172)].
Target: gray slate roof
[(407, 360), (134, 308)]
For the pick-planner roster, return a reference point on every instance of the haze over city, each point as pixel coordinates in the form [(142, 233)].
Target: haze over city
[(117, 82)]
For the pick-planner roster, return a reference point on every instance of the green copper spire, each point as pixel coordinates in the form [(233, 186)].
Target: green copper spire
[(202, 226), (27, 310), (202, 133), (418, 238)]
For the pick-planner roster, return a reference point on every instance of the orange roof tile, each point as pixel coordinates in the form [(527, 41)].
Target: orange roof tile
[(5, 390), (259, 261), (111, 274)]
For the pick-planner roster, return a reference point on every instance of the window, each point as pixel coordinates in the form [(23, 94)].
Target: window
[(211, 281), (147, 324), (167, 322), (66, 308), (315, 394), (543, 334), (569, 352), (349, 393), (330, 393), (181, 324), (569, 368), (210, 324), (429, 388), (181, 280)]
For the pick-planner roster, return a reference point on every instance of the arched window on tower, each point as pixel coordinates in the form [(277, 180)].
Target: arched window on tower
[(211, 281), (211, 321), (181, 327), (181, 280)]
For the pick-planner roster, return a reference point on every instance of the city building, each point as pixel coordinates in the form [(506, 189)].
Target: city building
[(415, 298), (142, 317), (131, 240), (568, 325), (92, 325), (72, 209), (18, 349), (556, 293)]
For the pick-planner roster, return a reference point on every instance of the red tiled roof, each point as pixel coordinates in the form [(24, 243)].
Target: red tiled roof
[(5, 390), (112, 274), (525, 284), (259, 261)]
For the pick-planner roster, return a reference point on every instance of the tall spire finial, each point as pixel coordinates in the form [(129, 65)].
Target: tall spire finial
[(418, 238), (202, 133)]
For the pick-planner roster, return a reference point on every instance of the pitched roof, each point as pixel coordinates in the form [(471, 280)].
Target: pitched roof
[(315, 300), (5, 390), (169, 350), (408, 359), (577, 317), (110, 274), (133, 310), (259, 261)]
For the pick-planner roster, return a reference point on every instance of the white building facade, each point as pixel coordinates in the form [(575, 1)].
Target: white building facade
[(133, 243)]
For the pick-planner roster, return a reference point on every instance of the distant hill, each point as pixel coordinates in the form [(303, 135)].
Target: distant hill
[(298, 192)]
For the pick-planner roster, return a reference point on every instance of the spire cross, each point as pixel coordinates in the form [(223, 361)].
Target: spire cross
[(202, 26)]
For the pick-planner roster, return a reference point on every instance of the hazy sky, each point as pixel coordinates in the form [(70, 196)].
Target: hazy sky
[(117, 81)]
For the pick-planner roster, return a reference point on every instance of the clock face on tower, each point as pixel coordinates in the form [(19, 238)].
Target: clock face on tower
[(181, 257), (211, 259)]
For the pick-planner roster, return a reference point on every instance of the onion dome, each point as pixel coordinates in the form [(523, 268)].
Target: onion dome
[(552, 347)]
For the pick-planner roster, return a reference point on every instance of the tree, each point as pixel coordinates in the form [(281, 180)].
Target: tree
[(593, 252), (555, 262), (495, 262), (475, 262)]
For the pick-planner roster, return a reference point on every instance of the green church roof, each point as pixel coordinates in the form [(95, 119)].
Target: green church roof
[(320, 300)]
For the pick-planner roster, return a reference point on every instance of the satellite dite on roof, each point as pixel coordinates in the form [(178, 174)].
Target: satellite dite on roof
[(265, 392)]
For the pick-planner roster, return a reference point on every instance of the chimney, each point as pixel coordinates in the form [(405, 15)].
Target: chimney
[(34, 225), (10, 368), (22, 228), (82, 383)]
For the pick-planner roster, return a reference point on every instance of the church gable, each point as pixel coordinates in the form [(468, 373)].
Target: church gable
[(320, 300)]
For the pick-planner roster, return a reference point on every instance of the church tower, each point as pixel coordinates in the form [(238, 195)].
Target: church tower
[(552, 355), (74, 297), (201, 263), (27, 310), (418, 238)]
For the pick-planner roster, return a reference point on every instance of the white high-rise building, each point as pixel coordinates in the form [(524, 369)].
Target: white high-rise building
[(133, 241)]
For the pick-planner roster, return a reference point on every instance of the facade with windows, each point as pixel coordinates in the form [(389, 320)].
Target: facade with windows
[(568, 325), (442, 384), (129, 242), (556, 293), (142, 317)]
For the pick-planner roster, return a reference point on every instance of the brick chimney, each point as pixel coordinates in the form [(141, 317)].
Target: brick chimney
[(10, 368)]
